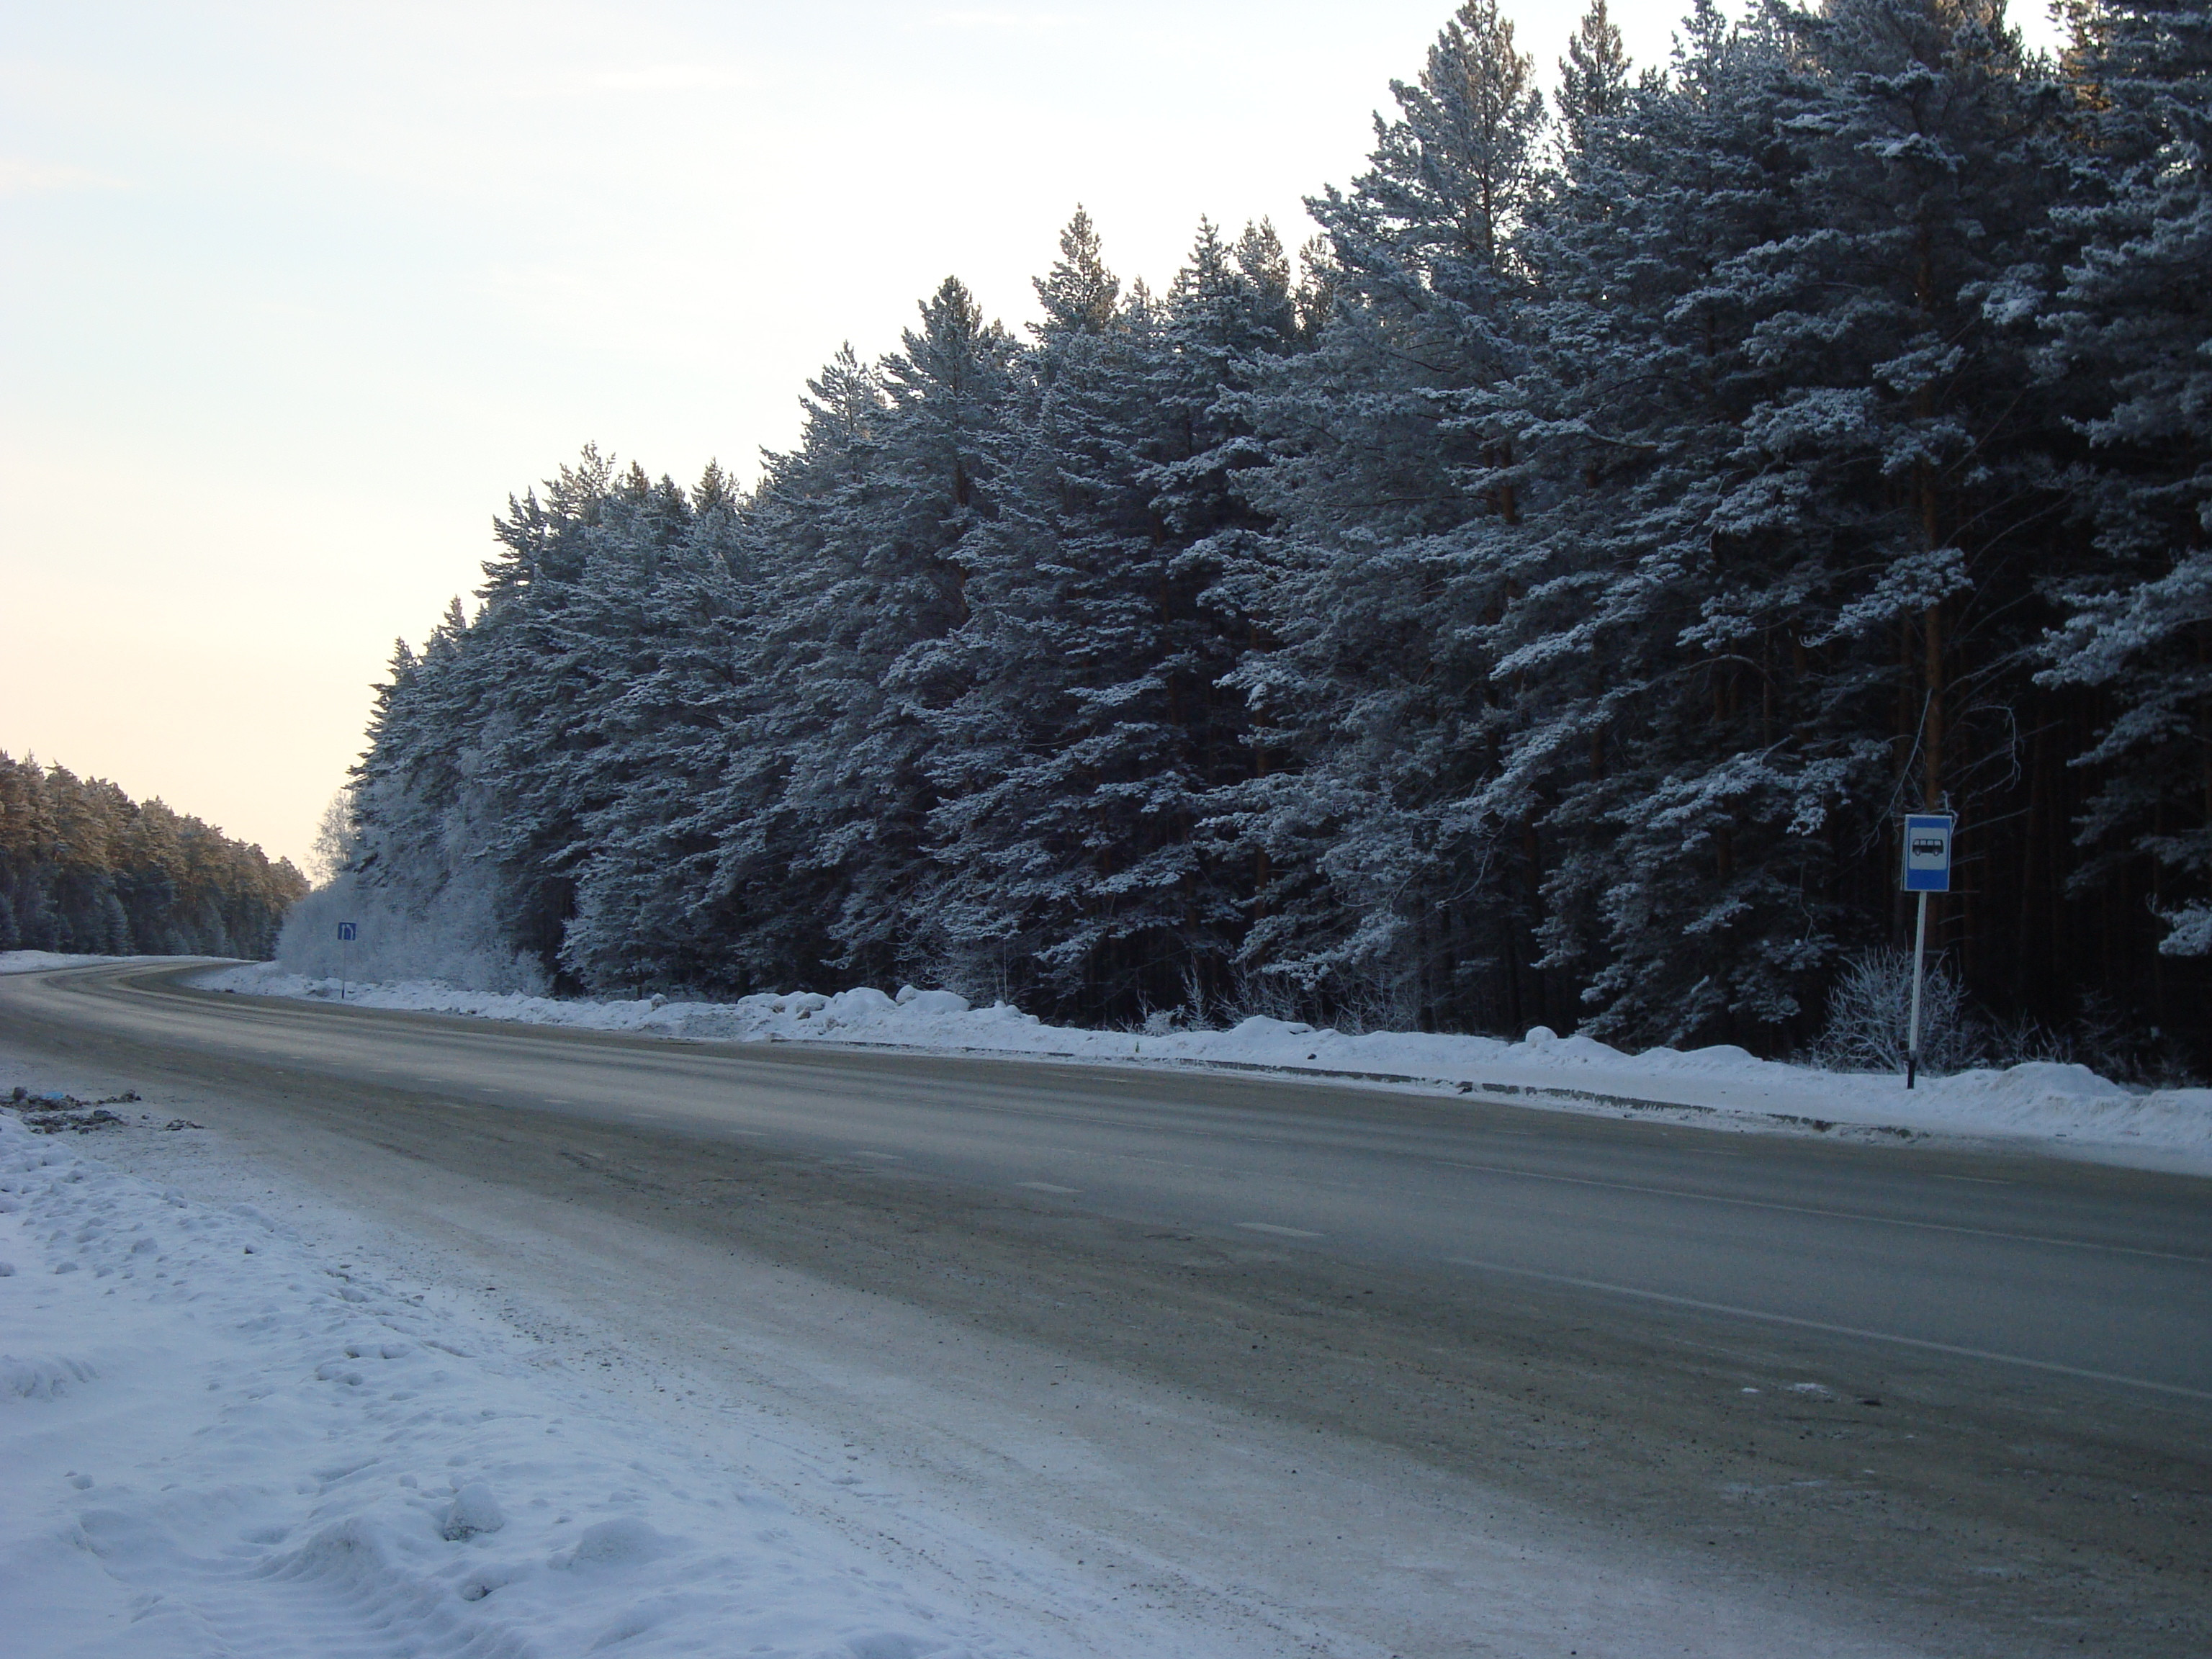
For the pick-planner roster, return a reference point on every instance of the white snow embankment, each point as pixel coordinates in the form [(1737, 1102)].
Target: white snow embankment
[(32, 962), (213, 1442), (1722, 1085)]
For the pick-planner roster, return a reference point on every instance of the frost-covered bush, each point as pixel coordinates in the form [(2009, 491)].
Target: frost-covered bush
[(2100, 1037), (456, 938), (1869, 1016)]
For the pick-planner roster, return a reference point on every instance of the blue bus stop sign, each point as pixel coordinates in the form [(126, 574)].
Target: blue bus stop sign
[(348, 929), (1928, 852)]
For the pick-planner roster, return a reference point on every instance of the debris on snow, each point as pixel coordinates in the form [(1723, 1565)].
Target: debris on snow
[(54, 1114)]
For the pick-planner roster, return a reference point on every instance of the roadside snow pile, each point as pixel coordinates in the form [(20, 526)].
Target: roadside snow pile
[(213, 1441), (31, 962), (2044, 1101)]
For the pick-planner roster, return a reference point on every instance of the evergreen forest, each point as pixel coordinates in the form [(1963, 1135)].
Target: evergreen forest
[(86, 870), (1536, 600)]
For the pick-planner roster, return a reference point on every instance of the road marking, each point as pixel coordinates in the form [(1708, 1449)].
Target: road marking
[(1286, 1232), (1833, 1215), (1833, 1330), (1047, 1187), (1979, 1181)]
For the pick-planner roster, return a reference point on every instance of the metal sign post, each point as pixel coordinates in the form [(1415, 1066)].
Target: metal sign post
[(347, 932), (1927, 869)]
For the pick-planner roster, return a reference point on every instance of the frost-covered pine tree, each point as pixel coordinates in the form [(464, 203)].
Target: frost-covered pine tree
[(1593, 82), (804, 526), (677, 598), (1619, 746), (1541, 611), (565, 743), (1068, 862), (2134, 316), (498, 751), (1394, 490), (1834, 484), (865, 538)]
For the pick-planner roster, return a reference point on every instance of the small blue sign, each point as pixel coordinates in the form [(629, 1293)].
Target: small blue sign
[(347, 930), (1928, 852)]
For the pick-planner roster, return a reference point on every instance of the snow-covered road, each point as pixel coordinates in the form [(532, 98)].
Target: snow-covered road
[(2040, 1103), (218, 1438), (229, 1433), (1000, 1426)]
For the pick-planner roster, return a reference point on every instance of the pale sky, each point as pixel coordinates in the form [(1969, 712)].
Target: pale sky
[(292, 295)]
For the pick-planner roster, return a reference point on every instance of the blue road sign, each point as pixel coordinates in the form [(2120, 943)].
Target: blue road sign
[(348, 929), (1928, 852)]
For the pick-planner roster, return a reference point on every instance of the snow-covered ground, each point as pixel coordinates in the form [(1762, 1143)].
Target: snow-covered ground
[(215, 1440), (1723, 1087)]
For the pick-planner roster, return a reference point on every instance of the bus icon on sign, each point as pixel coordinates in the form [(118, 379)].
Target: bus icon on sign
[(1928, 852), (347, 930)]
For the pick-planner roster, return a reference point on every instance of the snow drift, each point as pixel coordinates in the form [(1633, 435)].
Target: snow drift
[(1723, 1085)]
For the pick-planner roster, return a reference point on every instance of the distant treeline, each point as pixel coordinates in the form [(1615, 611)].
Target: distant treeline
[(85, 869), (1538, 606)]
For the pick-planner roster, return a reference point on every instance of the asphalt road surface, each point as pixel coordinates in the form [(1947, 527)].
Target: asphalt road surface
[(2006, 1446)]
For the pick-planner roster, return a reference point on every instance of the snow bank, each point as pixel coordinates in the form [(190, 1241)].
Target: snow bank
[(213, 1442), (1722, 1085), (31, 961)]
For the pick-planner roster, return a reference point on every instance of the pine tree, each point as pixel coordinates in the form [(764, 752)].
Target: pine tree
[(804, 530), (675, 605), (868, 530), (1594, 84), (1539, 610), (2135, 317), (1629, 413), (1068, 855), (84, 868), (1393, 491)]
